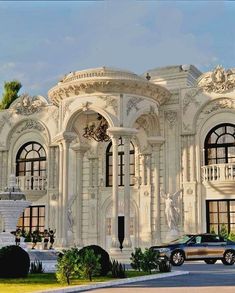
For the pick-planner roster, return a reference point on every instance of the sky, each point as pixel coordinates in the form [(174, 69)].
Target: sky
[(41, 41)]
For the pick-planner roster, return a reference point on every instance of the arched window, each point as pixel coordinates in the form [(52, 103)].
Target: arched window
[(31, 160), (220, 145), (121, 164)]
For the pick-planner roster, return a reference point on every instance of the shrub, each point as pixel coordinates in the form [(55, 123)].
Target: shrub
[(104, 258), (164, 265), (36, 267), (231, 236), (89, 264), (118, 270), (136, 258), (223, 231), (149, 261), (67, 265), (14, 262)]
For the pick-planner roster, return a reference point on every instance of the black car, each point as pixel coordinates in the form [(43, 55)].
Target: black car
[(207, 247)]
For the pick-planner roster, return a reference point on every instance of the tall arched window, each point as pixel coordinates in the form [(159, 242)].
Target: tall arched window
[(31, 162), (220, 145), (121, 164)]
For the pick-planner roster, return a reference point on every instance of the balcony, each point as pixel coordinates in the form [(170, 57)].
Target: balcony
[(32, 183), (218, 173)]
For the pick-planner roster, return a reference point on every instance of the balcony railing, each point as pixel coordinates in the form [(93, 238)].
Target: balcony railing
[(218, 172), (33, 183)]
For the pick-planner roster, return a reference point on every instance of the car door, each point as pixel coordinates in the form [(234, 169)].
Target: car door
[(216, 246), (196, 248)]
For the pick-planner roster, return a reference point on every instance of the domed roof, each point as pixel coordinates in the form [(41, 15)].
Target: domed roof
[(105, 79)]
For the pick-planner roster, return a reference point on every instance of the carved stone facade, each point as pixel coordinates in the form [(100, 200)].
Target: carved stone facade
[(158, 126)]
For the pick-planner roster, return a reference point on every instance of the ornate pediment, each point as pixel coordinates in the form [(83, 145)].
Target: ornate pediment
[(27, 105), (217, 81)]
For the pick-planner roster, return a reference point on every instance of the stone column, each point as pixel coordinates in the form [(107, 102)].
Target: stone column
[(156, 143), (80, 151), (59, 202), (114, 228), (127, 239), (65, 192)]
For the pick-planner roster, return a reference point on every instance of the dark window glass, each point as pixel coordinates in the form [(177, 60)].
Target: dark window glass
[(121, 164), (32, 218), (220, 215), (30, 162), (219, 145)]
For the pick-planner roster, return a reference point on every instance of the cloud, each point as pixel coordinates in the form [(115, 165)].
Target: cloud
[(45, 40)]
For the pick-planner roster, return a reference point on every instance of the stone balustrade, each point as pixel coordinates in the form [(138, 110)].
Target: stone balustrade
[(218, 172), (35, 183)]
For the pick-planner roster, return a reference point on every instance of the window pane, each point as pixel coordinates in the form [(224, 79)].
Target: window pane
[(223, 218), (35, 212), (232, 218), (41, 221), (213, 218), (27, 212), (27, 222), (213, 206), (223, 206), (232, 205), (41, 211), (225, 139), (214, 228), (232, 228), (29, 147)]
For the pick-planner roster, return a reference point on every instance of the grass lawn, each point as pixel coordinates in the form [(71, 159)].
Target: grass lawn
[(37, 282)]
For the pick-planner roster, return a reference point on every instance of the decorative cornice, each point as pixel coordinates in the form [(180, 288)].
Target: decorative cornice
[(217, 81), (106, 81), (31, 124)]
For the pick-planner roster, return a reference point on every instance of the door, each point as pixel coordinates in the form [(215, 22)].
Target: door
[(121, 230)]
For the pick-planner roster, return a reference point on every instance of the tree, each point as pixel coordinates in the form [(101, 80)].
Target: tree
[(67, 265), (89, 264), (10, 93), (136, 258), (223, 231)]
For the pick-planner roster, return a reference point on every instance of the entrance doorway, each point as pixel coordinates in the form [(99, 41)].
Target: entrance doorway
[(121, 230)]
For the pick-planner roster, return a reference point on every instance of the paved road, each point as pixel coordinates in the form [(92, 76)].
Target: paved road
[(202, 278)]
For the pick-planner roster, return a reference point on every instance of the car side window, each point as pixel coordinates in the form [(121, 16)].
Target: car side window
[(198, 239)]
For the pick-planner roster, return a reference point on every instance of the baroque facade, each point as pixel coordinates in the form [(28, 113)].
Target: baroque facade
[(165, 166)]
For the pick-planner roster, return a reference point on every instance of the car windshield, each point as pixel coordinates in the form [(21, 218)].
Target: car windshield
[(183, 239)]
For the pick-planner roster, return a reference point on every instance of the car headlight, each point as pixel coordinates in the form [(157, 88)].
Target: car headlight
[(164, 250)]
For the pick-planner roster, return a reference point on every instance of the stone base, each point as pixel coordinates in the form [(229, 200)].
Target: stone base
[(7, 239), (122, 256)]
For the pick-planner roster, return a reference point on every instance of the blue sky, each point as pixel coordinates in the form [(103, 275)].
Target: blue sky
[(43, 40)]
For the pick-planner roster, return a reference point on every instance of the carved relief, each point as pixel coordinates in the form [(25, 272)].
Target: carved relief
[(110, 102), (171, 117), (218, 80), (5, 120), (28, 105), (133, 103), (66, 107), (190, 97), (31, 124), (219, 104)]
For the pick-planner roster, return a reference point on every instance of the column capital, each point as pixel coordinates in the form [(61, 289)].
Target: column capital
[(80, 148), (156, 140), (121, 131), (67, 136)]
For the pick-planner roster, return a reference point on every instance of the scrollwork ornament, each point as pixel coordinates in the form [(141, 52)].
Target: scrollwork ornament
[(28, 105), (171, 117), (217, 81)]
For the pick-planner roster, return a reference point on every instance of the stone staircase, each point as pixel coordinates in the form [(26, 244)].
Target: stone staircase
[(47, 257)]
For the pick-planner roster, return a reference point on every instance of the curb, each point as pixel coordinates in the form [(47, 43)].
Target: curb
[(82, 288)]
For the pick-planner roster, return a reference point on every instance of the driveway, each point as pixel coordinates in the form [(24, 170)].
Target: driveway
[(202, 278)]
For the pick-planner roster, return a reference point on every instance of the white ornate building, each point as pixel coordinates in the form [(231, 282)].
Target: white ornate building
[(173, 132)]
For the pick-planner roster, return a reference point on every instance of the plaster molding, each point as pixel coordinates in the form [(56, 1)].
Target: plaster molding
[(27, 105), (110, 102), (171, 117), (133, 103), (217, 81), (190, 97)]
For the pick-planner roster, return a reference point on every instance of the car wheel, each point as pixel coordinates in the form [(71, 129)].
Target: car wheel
[(229, 258), (177, 258), (210, 261)]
